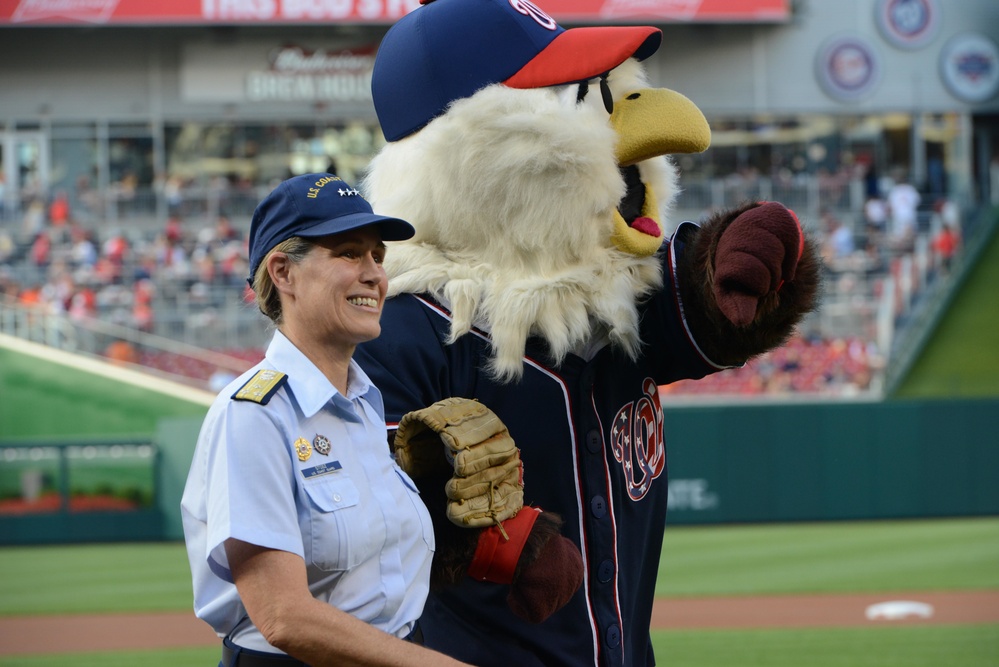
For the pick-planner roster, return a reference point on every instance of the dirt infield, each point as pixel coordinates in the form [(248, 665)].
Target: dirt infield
[(107, 632)]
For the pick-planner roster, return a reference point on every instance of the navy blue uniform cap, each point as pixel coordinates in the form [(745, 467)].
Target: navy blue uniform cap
[(450, 49), (311, 206)]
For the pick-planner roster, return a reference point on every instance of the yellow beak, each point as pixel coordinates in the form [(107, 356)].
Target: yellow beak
[(657, 121), (652, 122)]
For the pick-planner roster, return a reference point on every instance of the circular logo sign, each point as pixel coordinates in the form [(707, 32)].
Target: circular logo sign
[(908, 24), (848, 68), (969, 66)]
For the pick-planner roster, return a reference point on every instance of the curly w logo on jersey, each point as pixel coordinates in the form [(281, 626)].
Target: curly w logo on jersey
[(637, 441)]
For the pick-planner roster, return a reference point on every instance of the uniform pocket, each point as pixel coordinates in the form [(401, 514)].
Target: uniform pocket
[(333, 492), (341, 537)]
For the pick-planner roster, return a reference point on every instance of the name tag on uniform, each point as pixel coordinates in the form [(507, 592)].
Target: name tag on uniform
[(321, 469)]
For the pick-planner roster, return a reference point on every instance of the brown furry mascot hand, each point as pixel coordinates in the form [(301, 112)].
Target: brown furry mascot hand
[(548, 573), (758, 251), (762, 277), (543, 568)]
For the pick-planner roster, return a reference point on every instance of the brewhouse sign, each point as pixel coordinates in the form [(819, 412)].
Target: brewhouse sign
[(297, 74)]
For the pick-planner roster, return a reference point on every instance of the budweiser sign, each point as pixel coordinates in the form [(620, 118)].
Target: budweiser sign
[(295, 59)]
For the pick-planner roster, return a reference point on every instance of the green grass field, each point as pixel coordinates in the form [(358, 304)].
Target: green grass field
[(191, 657), (700, 560), (97, 578), (923, 646), (861, 557), (831, 558)]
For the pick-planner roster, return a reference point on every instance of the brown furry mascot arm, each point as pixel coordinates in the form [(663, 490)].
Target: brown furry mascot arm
[(746, 279)]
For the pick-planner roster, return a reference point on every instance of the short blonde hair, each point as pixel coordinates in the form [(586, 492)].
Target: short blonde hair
[(268, 298)]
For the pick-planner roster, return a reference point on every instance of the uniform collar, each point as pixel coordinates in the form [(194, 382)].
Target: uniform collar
[(311, 389)]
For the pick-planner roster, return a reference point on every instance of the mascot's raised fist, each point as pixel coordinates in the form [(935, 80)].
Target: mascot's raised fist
[(762, 275), (756, 253)]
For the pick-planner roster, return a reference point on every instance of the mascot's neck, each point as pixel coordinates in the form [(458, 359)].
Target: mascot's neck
[(569, 309)]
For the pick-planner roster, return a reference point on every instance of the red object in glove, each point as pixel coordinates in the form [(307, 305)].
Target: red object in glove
[(547, 584), (756, 254), (496, 554)]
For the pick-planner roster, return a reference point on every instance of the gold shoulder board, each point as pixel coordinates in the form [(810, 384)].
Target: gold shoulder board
[(261, 387)]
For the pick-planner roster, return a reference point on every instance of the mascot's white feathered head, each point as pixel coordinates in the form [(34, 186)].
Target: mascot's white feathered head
[(531, 161)]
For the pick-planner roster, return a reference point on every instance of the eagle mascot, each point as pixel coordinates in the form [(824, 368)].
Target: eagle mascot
[(543, 300)]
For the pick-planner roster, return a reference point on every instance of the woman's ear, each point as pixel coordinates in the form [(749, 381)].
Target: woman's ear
[(279, 268)]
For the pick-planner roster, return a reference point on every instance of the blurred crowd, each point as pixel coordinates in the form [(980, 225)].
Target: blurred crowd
[(890, 227), (108, 272), (57, 262), (810, 365)]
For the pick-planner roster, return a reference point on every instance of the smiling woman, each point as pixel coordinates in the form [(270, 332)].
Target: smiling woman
[(336, 291), (307, 543)]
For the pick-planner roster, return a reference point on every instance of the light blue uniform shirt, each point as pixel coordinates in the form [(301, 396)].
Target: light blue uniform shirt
[(353, 515)]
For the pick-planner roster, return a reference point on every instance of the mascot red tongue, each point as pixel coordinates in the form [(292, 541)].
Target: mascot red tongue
[(537, 310), (647, 226)]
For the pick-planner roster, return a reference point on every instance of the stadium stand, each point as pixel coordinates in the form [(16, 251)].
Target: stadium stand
[(172, 298)]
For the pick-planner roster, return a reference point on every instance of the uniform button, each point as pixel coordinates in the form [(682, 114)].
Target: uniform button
[(593, 442), (337, 498), (613, 636), (605, 571), (598, 506)]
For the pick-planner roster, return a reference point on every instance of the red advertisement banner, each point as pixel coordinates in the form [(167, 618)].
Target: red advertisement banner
[(210, 12)]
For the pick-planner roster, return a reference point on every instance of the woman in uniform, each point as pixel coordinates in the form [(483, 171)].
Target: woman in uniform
[(308, 545)]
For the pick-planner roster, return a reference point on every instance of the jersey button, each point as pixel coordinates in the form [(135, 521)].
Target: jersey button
[(613, 636), (598, 506), (593, 442), (605, 572)]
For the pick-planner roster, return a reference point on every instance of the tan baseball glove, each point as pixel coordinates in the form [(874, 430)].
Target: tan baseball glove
[(487, 485)]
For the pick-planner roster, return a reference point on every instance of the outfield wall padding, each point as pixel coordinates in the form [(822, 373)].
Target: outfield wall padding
[(837, 461)]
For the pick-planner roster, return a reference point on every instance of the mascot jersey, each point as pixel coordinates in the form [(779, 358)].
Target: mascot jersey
[(599, 422)]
